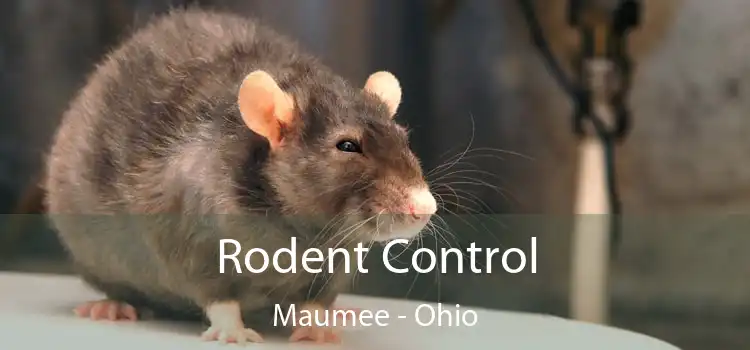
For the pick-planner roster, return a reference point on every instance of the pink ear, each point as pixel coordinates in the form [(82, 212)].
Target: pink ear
[(384, 85), (265, 108)]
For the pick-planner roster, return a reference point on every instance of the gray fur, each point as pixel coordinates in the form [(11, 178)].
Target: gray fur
[(152, 165)]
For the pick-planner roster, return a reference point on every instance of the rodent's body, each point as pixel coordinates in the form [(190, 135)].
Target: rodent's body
[(155, 147)]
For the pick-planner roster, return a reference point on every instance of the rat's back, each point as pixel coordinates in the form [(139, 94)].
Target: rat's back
[(151, 101)]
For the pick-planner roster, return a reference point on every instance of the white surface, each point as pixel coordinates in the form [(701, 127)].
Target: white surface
[(35, 313)]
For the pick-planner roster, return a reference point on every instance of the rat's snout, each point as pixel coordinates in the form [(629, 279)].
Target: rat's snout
[(413, 211), (421, 204)]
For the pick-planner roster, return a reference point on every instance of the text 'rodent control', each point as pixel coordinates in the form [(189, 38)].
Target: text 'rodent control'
[(257, 260)]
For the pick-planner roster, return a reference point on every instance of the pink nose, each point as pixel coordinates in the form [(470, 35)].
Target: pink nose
[(422, 203)]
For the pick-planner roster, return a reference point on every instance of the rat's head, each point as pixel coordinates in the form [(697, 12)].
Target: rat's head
[(341, 157)]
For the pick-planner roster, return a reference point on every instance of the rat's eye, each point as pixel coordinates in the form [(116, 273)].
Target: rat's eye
[(348, 146)]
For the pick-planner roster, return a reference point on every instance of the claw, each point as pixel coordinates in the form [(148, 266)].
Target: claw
[(106, 310), (315, 332), (232, 335)]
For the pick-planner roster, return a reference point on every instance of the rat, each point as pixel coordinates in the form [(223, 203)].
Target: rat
[(204, 126)]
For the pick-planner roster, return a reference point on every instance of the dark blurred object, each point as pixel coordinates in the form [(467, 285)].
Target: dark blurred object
[(592, 11), (28, 211), (604, 26), (443, 11)]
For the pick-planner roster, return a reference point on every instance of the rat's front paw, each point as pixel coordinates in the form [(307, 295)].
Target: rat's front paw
[(316, 334), (111, 310), (309, 329), (226, 335)]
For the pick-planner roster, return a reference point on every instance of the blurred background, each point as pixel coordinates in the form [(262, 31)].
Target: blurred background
[(471, 75)]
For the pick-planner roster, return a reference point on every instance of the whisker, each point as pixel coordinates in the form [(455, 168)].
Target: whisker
[(346, 234), (449, 165)]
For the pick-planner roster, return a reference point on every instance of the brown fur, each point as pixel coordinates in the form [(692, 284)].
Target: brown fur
[(153, 165)]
